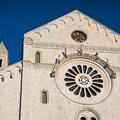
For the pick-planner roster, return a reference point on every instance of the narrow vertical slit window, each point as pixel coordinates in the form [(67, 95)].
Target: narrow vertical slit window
[(37, 57), (0, 62), (44, 97)]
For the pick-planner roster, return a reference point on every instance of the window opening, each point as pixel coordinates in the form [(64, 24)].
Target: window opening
[(83, 118), (44, 97), (93, 118), (0, 62), (37, 57), (83, 80)]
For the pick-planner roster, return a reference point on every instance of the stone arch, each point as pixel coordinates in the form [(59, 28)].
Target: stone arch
[(54, 25), (88, 21), (70, 18), (19, 68), (104, 30), (95, 25), (11, 73), (63, 21), (114, 36), (46, 29), (79, 16), (38, 34)]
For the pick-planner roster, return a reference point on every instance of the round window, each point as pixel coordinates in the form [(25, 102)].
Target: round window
[(83, 80), (78, 36)]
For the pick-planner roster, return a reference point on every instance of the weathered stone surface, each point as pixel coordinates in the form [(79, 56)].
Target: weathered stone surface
[(39, 87)]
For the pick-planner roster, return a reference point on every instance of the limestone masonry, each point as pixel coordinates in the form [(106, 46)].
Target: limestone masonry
[(70, 71)]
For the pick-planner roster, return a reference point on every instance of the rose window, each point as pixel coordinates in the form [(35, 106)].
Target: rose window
[(83, 81)]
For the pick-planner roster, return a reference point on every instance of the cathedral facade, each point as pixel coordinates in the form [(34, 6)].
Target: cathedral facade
[(70, 71)]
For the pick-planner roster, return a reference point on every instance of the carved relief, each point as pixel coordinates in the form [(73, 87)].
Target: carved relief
[(83, 76), (86, 48)]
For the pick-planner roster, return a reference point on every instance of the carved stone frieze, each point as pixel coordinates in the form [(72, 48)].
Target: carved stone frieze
[(94, 58), (103, 49)]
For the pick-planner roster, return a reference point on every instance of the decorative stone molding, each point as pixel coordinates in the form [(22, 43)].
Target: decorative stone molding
[(85, 109), (10, 71), (84, 77), (94, 58), (101, 49)]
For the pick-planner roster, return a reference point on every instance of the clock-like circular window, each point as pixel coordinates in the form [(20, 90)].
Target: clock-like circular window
[(78, 36), (83, 80)]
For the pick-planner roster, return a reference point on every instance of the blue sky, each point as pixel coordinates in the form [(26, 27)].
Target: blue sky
[(20, 16)]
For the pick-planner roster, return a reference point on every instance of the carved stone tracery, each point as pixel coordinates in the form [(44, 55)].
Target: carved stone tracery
[(83, 75), (89, 57)]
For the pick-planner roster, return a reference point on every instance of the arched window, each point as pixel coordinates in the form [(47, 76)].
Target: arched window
[(44, 98), (37, 57)]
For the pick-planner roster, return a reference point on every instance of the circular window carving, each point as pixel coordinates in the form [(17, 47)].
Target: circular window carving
[(83, 80), (87, 114), (78, 36)]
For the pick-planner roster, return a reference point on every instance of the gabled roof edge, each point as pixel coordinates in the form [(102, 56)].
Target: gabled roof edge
[(82, 16)]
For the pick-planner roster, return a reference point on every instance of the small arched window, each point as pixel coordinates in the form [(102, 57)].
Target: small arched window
[(44, 98), (37, 57)]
